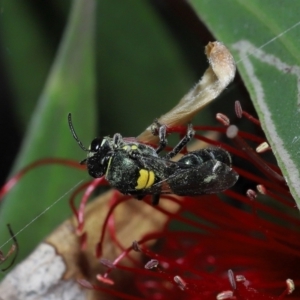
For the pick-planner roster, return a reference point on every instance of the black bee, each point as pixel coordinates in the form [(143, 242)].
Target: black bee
[(136, 169)]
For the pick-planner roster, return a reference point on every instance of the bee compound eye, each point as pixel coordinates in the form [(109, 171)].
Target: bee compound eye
[(96, 144)]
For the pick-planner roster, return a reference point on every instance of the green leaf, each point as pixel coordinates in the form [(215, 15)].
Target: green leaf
[(28, 53), (263, 37), (142, 74), (142, 70), (70, 88)]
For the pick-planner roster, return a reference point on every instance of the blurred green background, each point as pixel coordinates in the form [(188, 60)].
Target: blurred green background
[(116, 65)]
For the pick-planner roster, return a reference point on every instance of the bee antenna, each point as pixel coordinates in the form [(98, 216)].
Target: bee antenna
[(74, 133)]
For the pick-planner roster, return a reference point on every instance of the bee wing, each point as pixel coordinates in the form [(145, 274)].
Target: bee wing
[(155, 163), (208, 178)]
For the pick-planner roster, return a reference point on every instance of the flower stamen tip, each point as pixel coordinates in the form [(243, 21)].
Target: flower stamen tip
[(181, 284), (240, 278), (231, 279), (105, 279), (251, 194), (136, 247), (223, 119), (238, 109), (225, 295), (153, 263), (84, 283), (107, 263), (232, 131), (290, 286), (261, 189), (263, 147)]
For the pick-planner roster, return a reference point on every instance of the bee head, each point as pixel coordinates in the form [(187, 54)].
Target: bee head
[(99, 153)]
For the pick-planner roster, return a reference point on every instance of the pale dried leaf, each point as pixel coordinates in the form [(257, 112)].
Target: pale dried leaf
[(216, 78), (54, 267)]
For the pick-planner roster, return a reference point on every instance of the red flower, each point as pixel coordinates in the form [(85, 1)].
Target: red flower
[(219, 247), (238, 245)]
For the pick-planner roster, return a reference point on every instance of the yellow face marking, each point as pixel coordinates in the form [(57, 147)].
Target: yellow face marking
[(108, 166), (125, 147), (134, 147), (145, 180)]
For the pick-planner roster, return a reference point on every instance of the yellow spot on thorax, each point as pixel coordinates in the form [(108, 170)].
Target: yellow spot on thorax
[(133, 147)]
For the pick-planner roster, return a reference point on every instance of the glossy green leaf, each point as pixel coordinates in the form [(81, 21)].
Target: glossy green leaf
[(264, 38), (70, 87)]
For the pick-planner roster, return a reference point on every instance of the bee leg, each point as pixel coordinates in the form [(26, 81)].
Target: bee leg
[(162, 134), (183, 142), (160, 130), (117, 140), (140, 197), (155, 199), (155, 127)]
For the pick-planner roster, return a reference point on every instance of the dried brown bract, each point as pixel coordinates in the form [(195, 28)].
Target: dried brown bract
[(216, 78)]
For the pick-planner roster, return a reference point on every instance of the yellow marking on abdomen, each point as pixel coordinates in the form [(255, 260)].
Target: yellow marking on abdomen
[(145, 180), (150, 179)]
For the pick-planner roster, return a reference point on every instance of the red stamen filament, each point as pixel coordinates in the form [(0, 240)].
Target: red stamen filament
[(41, 162)]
